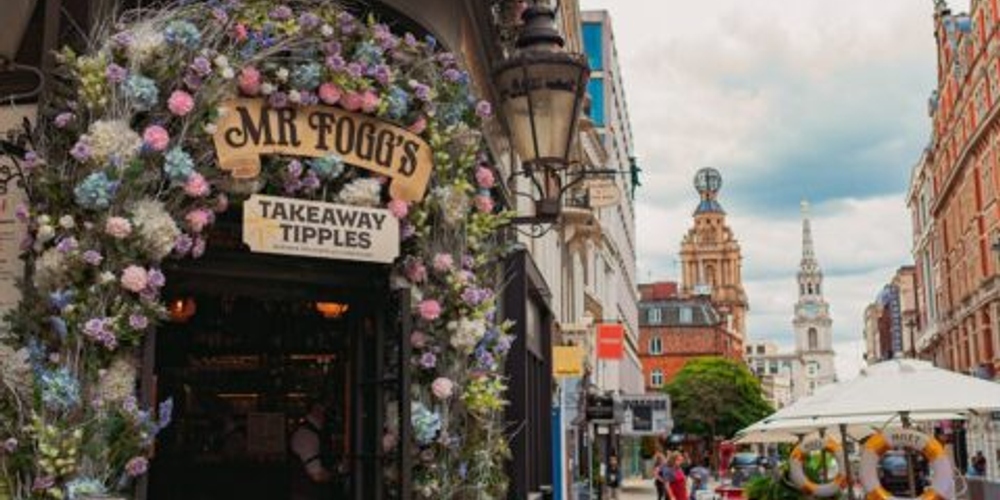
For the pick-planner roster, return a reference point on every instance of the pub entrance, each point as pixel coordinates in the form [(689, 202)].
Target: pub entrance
[(253, 341)]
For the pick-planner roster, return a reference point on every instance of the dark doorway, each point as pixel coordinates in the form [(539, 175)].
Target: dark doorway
[(253, 340)]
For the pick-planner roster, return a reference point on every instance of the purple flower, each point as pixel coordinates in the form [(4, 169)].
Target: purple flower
[(81, 151), (130, 406), (294, 168), (281, 13), (382, 74), (164, 413), (278, 100), (484, 109), (123, 39), (428, 360), (138, 321), (93, 257), (335, 62), (331, 48), (183, 245), (422, 91), (115, 73), (220, 15), (446, 59), (192, 81), (308, 20), (347, 23), (62, 119), (410, 40), (355, 70), (67, 245), (99, 330), (202, 66), (198, 249), (30, 160), (310, 182), (155, 278), (308, 98), (452, 75), (43, 483), (407, 231), (137, 466)]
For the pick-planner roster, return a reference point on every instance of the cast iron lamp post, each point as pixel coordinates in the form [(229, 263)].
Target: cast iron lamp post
[(541, 91)]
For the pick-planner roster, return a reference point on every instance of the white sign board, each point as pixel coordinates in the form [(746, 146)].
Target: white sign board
[(646, 415), (603, 193), (288, 226)]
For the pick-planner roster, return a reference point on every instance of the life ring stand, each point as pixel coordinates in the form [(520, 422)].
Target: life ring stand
[(796, 468), (942, 486)]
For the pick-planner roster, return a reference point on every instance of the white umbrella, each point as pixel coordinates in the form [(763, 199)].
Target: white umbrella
[(774, 429), (898, 386)]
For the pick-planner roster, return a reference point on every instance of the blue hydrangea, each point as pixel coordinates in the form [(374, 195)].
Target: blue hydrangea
[(327, 167), (369, 54), (141, 91), (306, 76), (182, 33), (178, 165), (95, 192), (450, 113), (398, 103), (60, 390), (426, 424), (83, 487)]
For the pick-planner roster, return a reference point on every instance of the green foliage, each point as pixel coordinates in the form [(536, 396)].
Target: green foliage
[(715, 396), (649, 446), (772, 487)]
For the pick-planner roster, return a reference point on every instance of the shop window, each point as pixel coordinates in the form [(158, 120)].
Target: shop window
[(656, 378), (655, 346), (596, 90)]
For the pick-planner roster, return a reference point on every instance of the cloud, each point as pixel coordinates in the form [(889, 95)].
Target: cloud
[(787, 99)]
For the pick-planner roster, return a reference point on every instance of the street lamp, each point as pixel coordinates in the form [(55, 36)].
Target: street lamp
[(541, 91)]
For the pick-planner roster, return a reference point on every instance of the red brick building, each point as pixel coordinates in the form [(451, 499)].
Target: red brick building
[(673, 330)]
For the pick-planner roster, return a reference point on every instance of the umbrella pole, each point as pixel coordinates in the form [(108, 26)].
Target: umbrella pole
[(822, 457), (847, 462), (904, 417)]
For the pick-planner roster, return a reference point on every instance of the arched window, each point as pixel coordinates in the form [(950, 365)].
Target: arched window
[(656, 378), (813, 339), (655, 346)]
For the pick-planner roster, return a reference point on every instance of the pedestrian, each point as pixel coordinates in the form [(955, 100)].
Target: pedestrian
[(700, 474), (979, 464), (312, 451), (659, 462), (673, 477), (613, 476)]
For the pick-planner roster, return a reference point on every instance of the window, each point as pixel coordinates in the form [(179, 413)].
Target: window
[(760, 349), (812, 369), (813, 339), (654, 316), (656, 378), (655, 346), (593, 43), (596, 90), (686, 315)]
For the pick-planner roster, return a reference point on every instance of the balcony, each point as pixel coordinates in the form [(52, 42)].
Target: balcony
[(579, 217)]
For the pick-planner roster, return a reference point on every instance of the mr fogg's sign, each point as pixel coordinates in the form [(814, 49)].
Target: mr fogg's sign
[(315, 229), (248, 129)]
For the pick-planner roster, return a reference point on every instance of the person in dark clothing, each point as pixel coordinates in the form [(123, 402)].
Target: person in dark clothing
[(659, 480), (614, 476), (312, 451)]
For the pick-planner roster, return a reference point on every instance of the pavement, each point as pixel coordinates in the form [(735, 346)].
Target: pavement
[(637, 489)]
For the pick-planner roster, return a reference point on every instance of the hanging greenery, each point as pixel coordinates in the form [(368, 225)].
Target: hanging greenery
[(124, 175)]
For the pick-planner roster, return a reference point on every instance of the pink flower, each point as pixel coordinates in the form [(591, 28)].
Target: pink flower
[(418, 339), (484, 203), (249, 80), (196, 186), (443, 262), (156, 137), (134, 279), (118, 227), (418, 126), (351, 101), (137, 466), (430, 309), (485, 178), (240, 32), (369, 101), (329, 93), (442, 388), (389, 441), (180, 103), (199, 218), (416, 272), (398, 208)]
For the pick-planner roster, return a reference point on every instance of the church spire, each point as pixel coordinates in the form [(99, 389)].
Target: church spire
[(808, 252), (810, 275)]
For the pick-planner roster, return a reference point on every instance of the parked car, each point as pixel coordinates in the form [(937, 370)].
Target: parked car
[(743, 467), (894, 476)]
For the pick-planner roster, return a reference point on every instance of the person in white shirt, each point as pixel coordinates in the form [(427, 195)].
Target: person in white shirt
[(312, 452)]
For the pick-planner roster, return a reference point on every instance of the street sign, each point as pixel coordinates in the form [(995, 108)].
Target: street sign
[(603, 193)]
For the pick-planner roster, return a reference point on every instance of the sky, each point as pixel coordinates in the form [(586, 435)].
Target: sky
[(789, 100)]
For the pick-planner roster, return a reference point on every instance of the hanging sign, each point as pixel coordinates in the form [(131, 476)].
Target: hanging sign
[(646, 415), (247, 129), (289, 226), (567, 361), (610, 341), (603, 193)]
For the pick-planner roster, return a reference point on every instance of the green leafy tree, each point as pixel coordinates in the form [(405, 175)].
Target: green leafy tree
[(715, 396)]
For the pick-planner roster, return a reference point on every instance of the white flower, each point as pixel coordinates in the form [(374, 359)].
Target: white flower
[(67, 222), (43, 219), (454, 204), (117, 382), (112, 140), (295, 96), (228, 73), (466, 333), (46, 233), (282, 74), (51, 270), (221, 61), (326, 30), (363, 192), (107, 277), (15, 369), (147, 42), (210, 128), (155, 227), (266, 88)]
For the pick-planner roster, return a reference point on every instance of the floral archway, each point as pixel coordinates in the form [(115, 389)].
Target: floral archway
[(124, 175)]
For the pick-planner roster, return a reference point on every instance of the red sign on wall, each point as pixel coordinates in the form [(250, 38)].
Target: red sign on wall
[(610, 341)]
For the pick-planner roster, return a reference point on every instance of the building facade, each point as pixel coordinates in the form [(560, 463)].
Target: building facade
[(954, 207), (774, 369), (891, 321), (675, 330), (711, 261)]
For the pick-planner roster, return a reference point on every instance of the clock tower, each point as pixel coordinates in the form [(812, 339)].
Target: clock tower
[(812, 323)]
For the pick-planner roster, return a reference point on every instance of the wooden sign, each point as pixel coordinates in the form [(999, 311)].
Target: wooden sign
[(248, 129), (289, 226), (603, 193)]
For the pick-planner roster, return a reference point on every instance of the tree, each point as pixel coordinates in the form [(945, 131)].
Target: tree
[(715, 396)]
